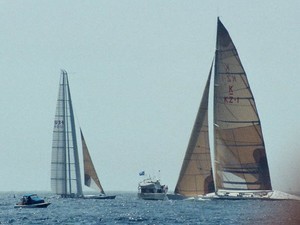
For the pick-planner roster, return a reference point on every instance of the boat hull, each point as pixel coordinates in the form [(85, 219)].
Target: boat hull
[(261, 196), (38, 205), (152, 196), (176, 197), (266, 196), (239, 198), (99, 197)]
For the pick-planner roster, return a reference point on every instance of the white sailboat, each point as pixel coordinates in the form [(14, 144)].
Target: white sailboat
[(65, 170), (65, 166), (240, 167)]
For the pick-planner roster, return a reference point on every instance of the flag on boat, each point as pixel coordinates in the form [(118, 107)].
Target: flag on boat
[(142, 173)]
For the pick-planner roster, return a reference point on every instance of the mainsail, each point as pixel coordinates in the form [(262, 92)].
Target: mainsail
[(196, 172), (240, 155), (65, 172), (240, 161), (90, 176)]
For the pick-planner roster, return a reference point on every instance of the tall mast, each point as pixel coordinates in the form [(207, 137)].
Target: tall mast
[(75, 148), (65, 128), (213, 108)]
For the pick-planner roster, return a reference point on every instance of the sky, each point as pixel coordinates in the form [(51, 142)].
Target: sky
[(137, 70)]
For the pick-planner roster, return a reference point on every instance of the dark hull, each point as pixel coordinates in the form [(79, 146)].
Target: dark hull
[(38, 205), (100, 197), (176, 197)]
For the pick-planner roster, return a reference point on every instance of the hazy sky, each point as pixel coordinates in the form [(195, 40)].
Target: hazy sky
[(137, 70)]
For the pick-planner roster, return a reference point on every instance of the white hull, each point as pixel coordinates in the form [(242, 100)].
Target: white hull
[(152, 196), (268, 195), (151, 189)]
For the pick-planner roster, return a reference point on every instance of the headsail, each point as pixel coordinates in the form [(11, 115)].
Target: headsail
[(196, 172), (90, 176), (240, 155), (65, 173)]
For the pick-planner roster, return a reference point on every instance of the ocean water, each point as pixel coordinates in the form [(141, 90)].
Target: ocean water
[(127, 209)]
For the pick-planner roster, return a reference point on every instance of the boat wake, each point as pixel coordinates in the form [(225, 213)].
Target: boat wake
[(271, 195), (283, 196)]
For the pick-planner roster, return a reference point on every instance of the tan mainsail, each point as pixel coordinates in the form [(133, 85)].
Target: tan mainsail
[(90, 176), (196, 172), (240, 156)]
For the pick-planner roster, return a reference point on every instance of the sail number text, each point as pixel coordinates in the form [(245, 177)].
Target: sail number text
[(58, 123), (230, 99)]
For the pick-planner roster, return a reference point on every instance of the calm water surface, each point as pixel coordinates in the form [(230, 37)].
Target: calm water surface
[(127, 209)]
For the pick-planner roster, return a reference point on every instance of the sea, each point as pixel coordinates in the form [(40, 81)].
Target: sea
[(128, 209)]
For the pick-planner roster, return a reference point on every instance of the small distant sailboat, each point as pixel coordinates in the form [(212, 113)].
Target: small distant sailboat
[(240, 167), (90, 175), (65, 166)]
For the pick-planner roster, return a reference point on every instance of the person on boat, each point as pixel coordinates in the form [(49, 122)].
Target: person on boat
[(29, 200), (165, 188)]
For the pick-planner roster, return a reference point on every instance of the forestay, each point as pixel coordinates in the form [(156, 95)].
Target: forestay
[(196, 172)]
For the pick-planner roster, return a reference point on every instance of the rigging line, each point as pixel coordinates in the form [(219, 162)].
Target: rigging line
[(243, 189), (233, 50), (237, 156), (242, 183), (224, 174), (230, 73), (260, 134), (67, 131), (253, 122), (244, 145), (238, 152), (77, 120), (246, 82), (64, 138), (74, 110)]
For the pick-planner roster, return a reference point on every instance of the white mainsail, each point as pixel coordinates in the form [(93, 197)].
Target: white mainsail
[(65, 171), (90, 175)]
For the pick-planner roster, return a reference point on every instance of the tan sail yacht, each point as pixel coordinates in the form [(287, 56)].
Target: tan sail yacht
[(238, 167)]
